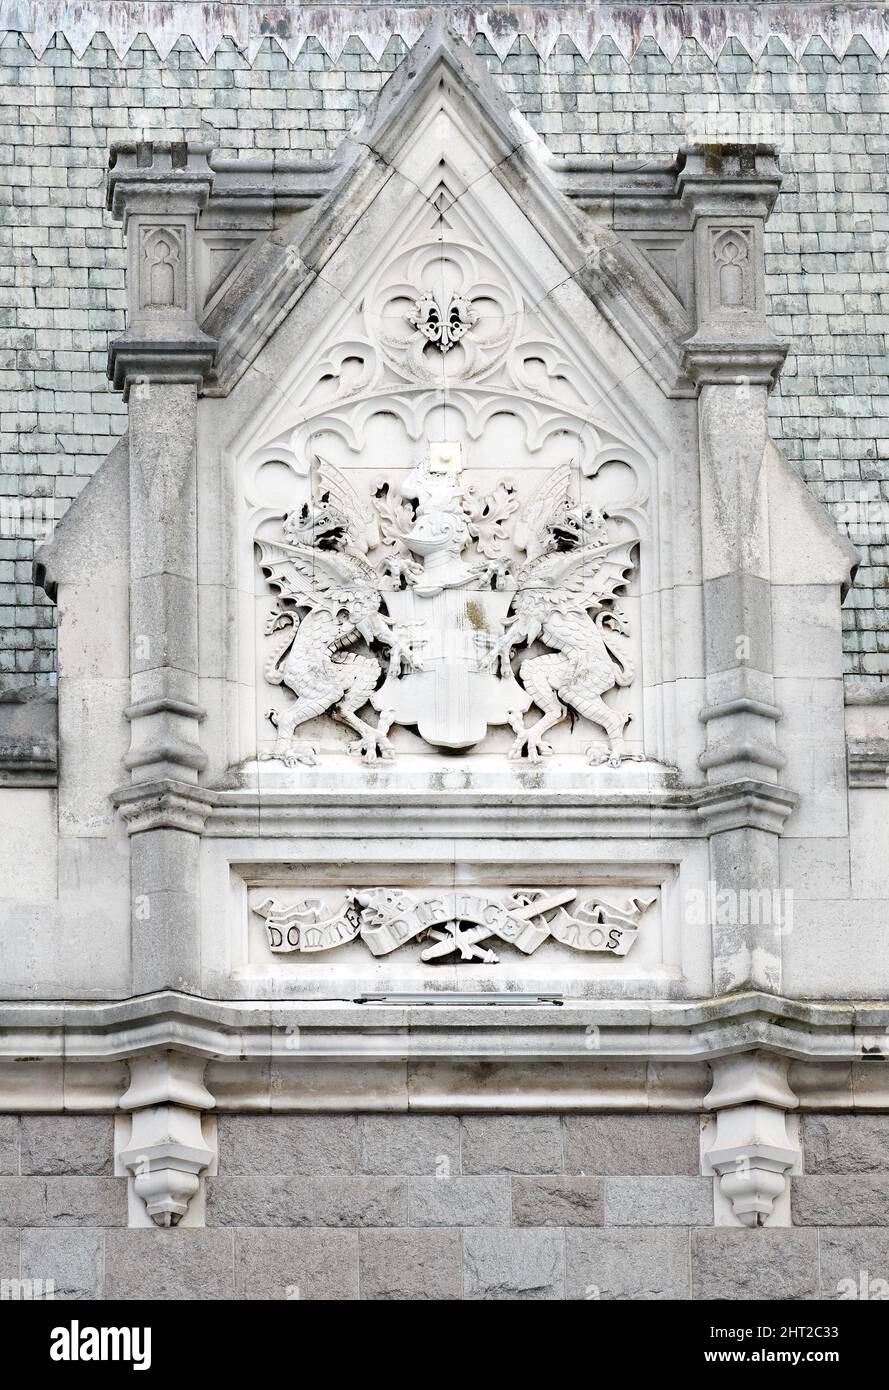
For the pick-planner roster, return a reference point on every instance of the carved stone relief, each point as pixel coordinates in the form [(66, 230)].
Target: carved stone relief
[(446, 611), (452, 531), (443, 327), (455, 925)]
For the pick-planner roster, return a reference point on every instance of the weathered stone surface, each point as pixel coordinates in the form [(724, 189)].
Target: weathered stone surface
[(512, 1144), (411, 1264), (632, 1144), (459, 1201), (62, 1201), (288, 1144), (845, 1143), (664, 1201), (300, 1264), (22, 1202), (557, 1201), (854, 1263), (859, 1200), (744, 1264), (85, 1201), (72, 1259), (352, 1201), (165, 1265), (410, 1144), (75, 1145), (9, 1145), (513, 1265), (9, 1253), (640, 1263)]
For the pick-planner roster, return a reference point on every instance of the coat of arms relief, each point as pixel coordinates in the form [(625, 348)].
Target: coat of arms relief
[(427, 603)]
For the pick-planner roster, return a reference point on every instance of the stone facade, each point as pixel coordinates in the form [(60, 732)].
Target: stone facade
[(456, 869)]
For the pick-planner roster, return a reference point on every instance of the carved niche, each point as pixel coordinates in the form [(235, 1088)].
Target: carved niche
[(447, 534), (161, 267)]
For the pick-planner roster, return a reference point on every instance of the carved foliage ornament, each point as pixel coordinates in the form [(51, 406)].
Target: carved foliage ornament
[(455, 924), (405, 602)]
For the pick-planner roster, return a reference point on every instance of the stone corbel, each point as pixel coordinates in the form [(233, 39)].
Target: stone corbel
[(167, 1151), (750, 1145)]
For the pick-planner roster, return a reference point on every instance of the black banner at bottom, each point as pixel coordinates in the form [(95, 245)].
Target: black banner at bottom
[(65, 1339)]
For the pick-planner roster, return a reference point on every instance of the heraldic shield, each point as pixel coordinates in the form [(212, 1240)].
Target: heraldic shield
[(452, 695)]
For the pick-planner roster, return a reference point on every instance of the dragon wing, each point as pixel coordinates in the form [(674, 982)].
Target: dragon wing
[(335, 485), (553, 495), (593, 574), (305, 574)]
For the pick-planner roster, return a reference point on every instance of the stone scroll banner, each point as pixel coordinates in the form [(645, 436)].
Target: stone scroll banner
[(455, 923)]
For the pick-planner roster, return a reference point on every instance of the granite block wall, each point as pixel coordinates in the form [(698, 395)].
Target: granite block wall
[(444, 1207)]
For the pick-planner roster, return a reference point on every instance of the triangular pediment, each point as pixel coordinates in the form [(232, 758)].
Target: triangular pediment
[(439, 127)]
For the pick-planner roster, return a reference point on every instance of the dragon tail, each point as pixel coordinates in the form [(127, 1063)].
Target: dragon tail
[(271, 671)]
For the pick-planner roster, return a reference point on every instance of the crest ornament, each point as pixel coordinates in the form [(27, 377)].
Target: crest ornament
[(443, 326), (409, 604)]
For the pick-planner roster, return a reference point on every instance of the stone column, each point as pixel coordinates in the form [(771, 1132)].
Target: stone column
[(734, 360), (159, 191)]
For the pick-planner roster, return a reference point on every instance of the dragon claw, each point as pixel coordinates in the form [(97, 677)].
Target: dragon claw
[(372, 746), (599, 753), (530, 749), (292, 753)]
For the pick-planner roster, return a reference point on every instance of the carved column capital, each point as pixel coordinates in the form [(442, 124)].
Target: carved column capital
[(158, 191), (163, 805), (714, 362)]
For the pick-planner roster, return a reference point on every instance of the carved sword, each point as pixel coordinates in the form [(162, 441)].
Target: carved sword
[(450, 939)]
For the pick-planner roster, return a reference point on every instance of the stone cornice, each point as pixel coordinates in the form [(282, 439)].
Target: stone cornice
[(28, 738), (628, 25), (348, 1034), (681, 811)]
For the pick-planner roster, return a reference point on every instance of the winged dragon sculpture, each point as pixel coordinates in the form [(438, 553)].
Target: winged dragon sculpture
[(330, 600), (565, 598)]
